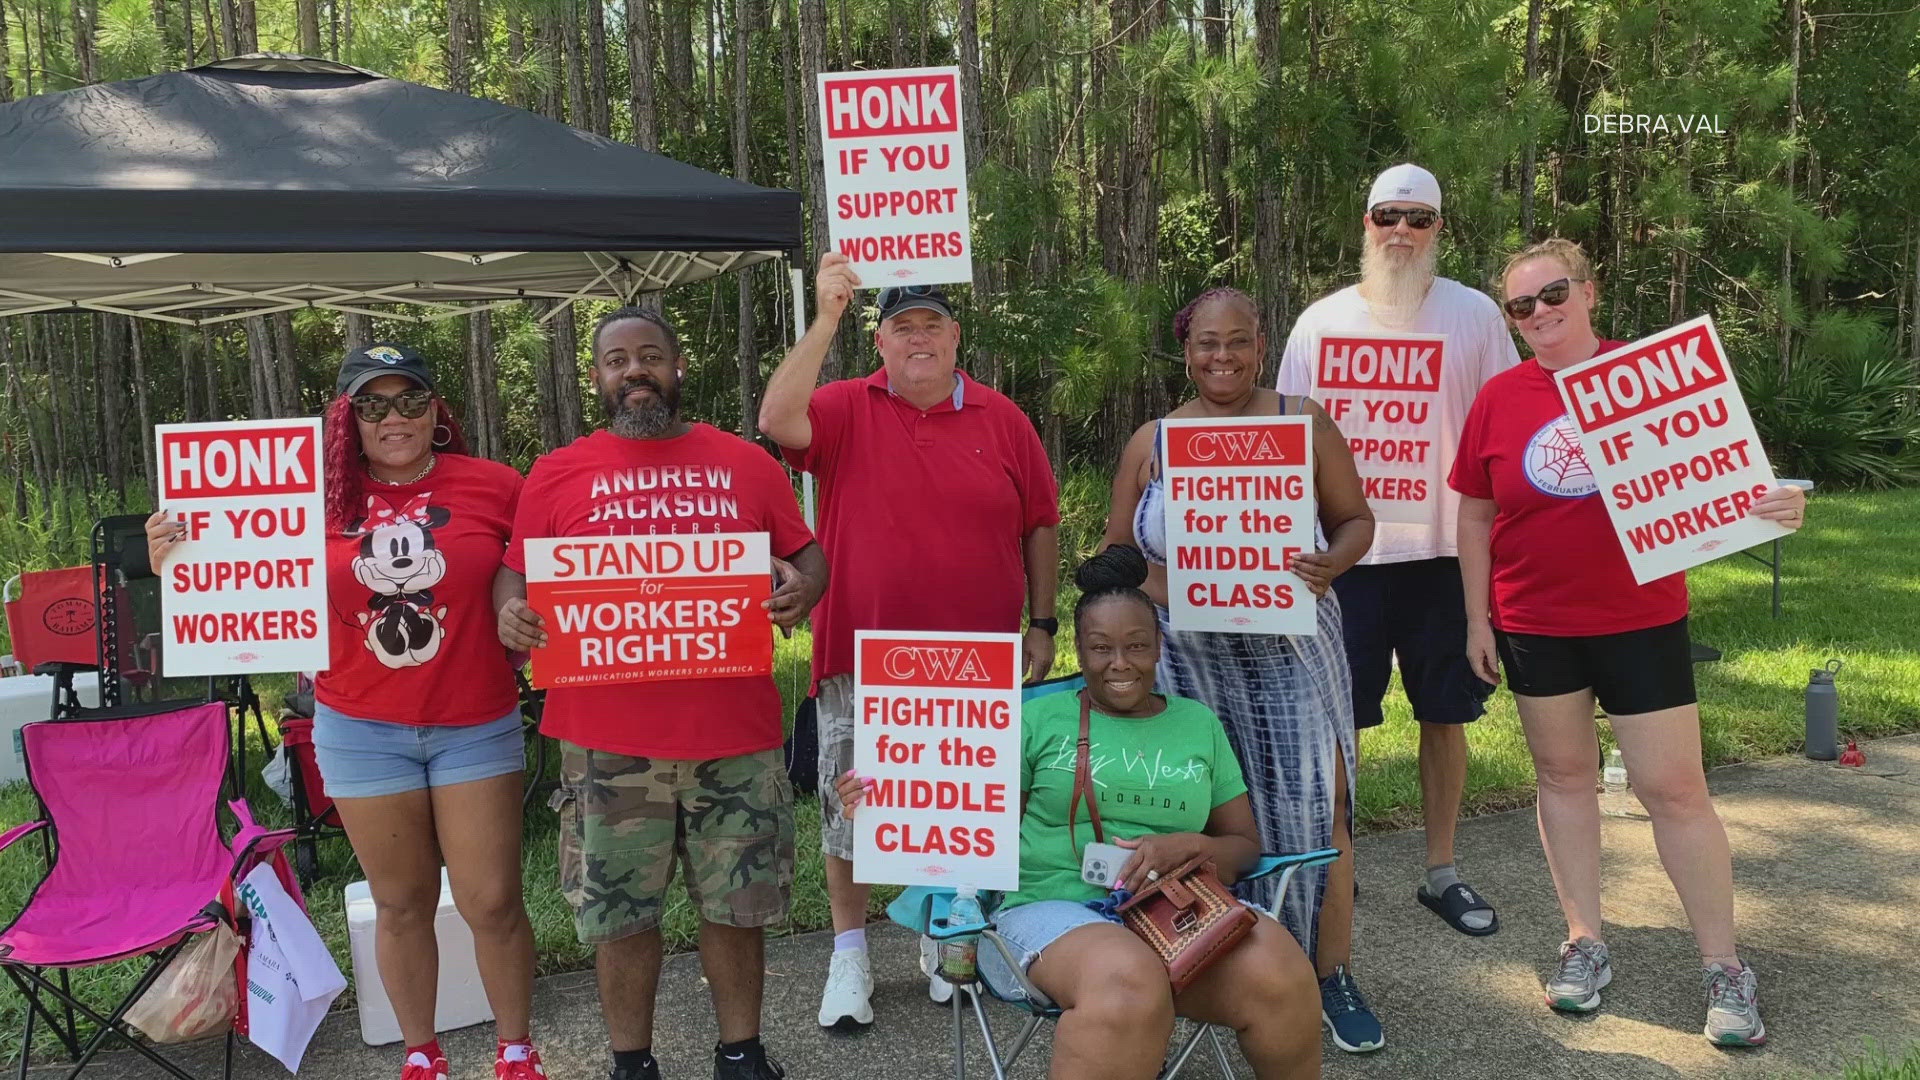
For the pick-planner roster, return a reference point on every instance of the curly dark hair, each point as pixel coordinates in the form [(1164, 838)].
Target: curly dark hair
[(1183, 319)]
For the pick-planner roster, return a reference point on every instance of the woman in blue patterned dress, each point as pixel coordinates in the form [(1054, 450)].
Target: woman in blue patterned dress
[(1285, 699)]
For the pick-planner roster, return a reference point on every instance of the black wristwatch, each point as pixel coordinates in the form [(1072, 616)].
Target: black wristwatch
[(1051, 626)]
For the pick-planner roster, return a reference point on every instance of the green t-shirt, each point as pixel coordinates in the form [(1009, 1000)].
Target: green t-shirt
[(1153, 774)]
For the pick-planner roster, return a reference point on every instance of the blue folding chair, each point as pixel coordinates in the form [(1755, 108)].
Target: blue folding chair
[(924, 909)]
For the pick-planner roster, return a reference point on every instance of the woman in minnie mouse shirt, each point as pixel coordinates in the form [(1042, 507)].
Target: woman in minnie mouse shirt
[(1551, 599), (417, 717)]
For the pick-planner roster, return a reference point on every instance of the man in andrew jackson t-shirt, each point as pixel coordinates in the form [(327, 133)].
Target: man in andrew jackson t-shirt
[(668, 771)]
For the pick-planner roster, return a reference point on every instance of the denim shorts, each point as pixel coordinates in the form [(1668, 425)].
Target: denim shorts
[(1028, 929), (365, 759)]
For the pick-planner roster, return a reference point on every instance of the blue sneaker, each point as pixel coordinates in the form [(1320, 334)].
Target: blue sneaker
[(1348, 1019)]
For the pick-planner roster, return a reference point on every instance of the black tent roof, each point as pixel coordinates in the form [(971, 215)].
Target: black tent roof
[(263, 183)]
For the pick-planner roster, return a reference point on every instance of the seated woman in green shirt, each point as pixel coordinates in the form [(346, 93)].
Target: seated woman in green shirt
[(1169, 788)]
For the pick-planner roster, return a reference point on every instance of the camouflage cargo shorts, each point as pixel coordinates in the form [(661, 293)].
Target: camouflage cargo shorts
[(625, 822)]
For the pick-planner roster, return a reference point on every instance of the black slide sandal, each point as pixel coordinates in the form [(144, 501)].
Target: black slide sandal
[(1455, 902)]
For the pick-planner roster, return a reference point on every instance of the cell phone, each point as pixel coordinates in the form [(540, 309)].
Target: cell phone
[(1100, 864)]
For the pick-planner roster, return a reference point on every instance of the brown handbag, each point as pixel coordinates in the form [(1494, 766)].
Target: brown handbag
[(1187, 917)]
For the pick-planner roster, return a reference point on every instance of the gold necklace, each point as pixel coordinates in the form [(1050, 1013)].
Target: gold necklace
[(432, 460)]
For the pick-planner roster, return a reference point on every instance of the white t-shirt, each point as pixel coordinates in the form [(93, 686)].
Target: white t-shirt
[(1479, 347)]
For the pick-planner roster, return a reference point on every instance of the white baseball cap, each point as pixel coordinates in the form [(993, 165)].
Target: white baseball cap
[(1405, 183)]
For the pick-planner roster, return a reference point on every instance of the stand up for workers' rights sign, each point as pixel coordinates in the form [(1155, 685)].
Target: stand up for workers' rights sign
[(936, 727), (1384, 392), (1672, 449), (623, 609), (246, 592), (1239, 508), (896, 166)]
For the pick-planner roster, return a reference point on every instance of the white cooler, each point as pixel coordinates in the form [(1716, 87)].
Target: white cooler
[(462, 1001), (27, 698)]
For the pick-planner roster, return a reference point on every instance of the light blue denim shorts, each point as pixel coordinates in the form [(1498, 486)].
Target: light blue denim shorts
[(1028, 929), (365, 759)]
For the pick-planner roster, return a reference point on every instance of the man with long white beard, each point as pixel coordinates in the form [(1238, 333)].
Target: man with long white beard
[(1404, 599)]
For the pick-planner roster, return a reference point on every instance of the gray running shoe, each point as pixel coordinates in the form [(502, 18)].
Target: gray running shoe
[(1584, 970), (1733, 1007)]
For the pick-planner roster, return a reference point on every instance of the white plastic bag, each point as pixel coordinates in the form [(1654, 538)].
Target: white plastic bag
[(291, 978), (279, 775), (196, 995)]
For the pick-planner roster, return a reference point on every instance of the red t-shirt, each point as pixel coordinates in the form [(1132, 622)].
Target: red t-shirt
[(922, 512), (414, 637), (1558, 567), (705, 481)]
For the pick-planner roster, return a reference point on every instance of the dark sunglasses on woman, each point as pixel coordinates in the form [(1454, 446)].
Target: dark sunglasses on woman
[(373, 408), (1552, 294), (1388, 216)]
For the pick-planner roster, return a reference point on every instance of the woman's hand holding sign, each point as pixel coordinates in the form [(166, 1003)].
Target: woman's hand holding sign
[(163, 535), (1785, 505), (521, 628), (1317, 569)]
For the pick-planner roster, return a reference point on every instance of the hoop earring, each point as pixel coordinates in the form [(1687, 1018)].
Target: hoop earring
[(441, 440)]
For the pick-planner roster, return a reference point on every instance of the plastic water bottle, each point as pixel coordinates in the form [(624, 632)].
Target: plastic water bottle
[(1614, 776), (1823, 713), (959, 957), (1614, 799)]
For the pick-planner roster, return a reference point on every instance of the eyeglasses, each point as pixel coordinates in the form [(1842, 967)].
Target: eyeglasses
[(893, 294), (1552, 294), (1388, 216), (373, 408)]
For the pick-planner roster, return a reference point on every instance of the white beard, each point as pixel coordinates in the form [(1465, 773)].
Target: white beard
[(1395, 290)]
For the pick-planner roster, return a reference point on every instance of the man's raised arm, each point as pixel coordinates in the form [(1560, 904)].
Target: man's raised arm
[(783, 408)]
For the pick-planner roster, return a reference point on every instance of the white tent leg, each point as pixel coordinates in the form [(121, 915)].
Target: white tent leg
[(797, 281)]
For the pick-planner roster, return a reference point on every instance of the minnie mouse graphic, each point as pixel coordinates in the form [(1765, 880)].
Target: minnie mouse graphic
[(400, 564)]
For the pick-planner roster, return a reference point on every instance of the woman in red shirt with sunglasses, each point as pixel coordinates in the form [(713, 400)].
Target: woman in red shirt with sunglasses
[(1552, 601), (417, 725)]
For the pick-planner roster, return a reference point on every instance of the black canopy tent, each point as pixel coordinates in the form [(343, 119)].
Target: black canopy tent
[(268, 183)]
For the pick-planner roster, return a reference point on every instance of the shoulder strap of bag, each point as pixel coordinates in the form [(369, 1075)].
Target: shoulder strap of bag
[(1083, 776)]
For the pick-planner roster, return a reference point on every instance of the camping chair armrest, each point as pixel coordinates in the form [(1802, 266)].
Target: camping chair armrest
[(11, 836), (1285, 865)]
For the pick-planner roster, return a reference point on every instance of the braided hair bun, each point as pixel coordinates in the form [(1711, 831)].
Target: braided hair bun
[(1116, 572)]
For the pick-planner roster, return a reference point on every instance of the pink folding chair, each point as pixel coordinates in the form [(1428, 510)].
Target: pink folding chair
[(136, 862)]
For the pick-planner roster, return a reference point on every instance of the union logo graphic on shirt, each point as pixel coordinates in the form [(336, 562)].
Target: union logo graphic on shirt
[(1555, 464)]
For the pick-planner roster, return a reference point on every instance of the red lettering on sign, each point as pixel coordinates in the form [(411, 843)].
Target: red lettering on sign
[(232, 464), (978, 665), (1236, 445), (910, 105), (1663, 370), (1375, 363)]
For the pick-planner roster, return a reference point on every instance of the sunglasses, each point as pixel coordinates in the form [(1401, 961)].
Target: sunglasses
[(411, 404), (1388, 216), (893, 294), (1552, 294)]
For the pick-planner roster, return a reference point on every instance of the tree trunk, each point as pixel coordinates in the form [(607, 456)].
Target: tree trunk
[(459, 68), (6, 59), (790, 91), (110, 394), (485, 430), (307, 13), (1913, 321), (1793, 159), (1219, 142), (986, 271), (601, 112), (230, 26), (1527, 151), (640, 75), (356, 332), (1269, 208), (679, 61), (84, 18), (745, 16), (564, 353), (249, 25), (576, 110), (813, 54), (286, 364), (517, 93), (143, 409)]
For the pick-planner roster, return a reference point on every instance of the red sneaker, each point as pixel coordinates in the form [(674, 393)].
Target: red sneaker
[(518, 1061), (419, 1068)]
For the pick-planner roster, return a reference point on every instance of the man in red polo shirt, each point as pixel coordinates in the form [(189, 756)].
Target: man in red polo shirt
[(673, 771), (939, 512)]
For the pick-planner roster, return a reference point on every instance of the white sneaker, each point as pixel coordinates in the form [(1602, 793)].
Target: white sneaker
[(847, 1000), (939, 990)]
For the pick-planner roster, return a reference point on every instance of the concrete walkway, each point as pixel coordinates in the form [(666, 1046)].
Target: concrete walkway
[(1828, 867)]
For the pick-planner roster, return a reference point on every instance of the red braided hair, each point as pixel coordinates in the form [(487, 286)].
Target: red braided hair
[(346, 469)]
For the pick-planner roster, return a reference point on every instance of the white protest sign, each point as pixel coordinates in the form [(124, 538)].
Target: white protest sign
[(1239, 507), (1383, 390), (1671, 446), (896, 175), (936, 727), (246, 591)]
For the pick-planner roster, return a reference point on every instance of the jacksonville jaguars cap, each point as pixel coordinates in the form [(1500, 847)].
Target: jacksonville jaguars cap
[(362, 366)]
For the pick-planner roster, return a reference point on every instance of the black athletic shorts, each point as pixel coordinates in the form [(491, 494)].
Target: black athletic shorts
[(1638, 671), (1418, 611)]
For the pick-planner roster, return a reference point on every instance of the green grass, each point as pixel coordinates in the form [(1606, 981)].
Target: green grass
[(1877, 1065), (1852, 591)]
